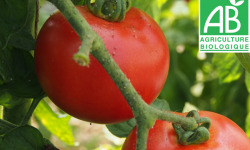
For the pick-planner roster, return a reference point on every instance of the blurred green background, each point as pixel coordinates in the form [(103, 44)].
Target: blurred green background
[(214, 82)]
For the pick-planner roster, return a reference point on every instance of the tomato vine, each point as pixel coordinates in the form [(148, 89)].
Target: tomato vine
[(145, 115)]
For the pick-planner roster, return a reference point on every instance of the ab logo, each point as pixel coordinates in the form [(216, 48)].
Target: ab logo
[(224, 26)]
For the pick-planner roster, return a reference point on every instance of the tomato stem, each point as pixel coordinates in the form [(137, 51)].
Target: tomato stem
[(188, 123), (144, 114), (79, 24), (142, 136)]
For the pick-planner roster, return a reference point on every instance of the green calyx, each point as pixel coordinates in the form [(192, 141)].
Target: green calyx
[(196, 136), (110, 10)]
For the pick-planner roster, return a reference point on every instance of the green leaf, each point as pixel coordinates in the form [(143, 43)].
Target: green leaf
[(228, 66), (228, 99), (9, 101), (177, 88), (15, 114), (168, 4), (122, 129), (17, 23), (150, 7), (244, 58), (248, 105), (18, 73), (22, 138), (56, 124), (248, 125), (161, 104), (182, 31), (141, 4), (247, 81), (1, 80)]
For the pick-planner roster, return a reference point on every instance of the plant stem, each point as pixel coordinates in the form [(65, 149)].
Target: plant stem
[(6, 126), (101, 54), (144, 114), (37, 18), (188, 123), (142, 136), (28, 115), (79, 24)]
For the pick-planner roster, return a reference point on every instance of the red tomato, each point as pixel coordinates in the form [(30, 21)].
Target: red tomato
[(137, 45), (224, 135)]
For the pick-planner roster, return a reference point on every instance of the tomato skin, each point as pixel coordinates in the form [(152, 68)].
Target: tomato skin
[(224, 135), (137, 45)]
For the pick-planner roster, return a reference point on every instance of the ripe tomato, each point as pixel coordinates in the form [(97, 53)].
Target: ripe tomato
[(224, 135), (137, 45)]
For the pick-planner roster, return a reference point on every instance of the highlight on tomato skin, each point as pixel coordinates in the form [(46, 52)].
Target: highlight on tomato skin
[(137, 45), (224, 135)]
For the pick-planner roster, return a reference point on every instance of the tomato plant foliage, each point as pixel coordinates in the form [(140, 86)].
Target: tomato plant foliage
[(23, 138), (17, 22)]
